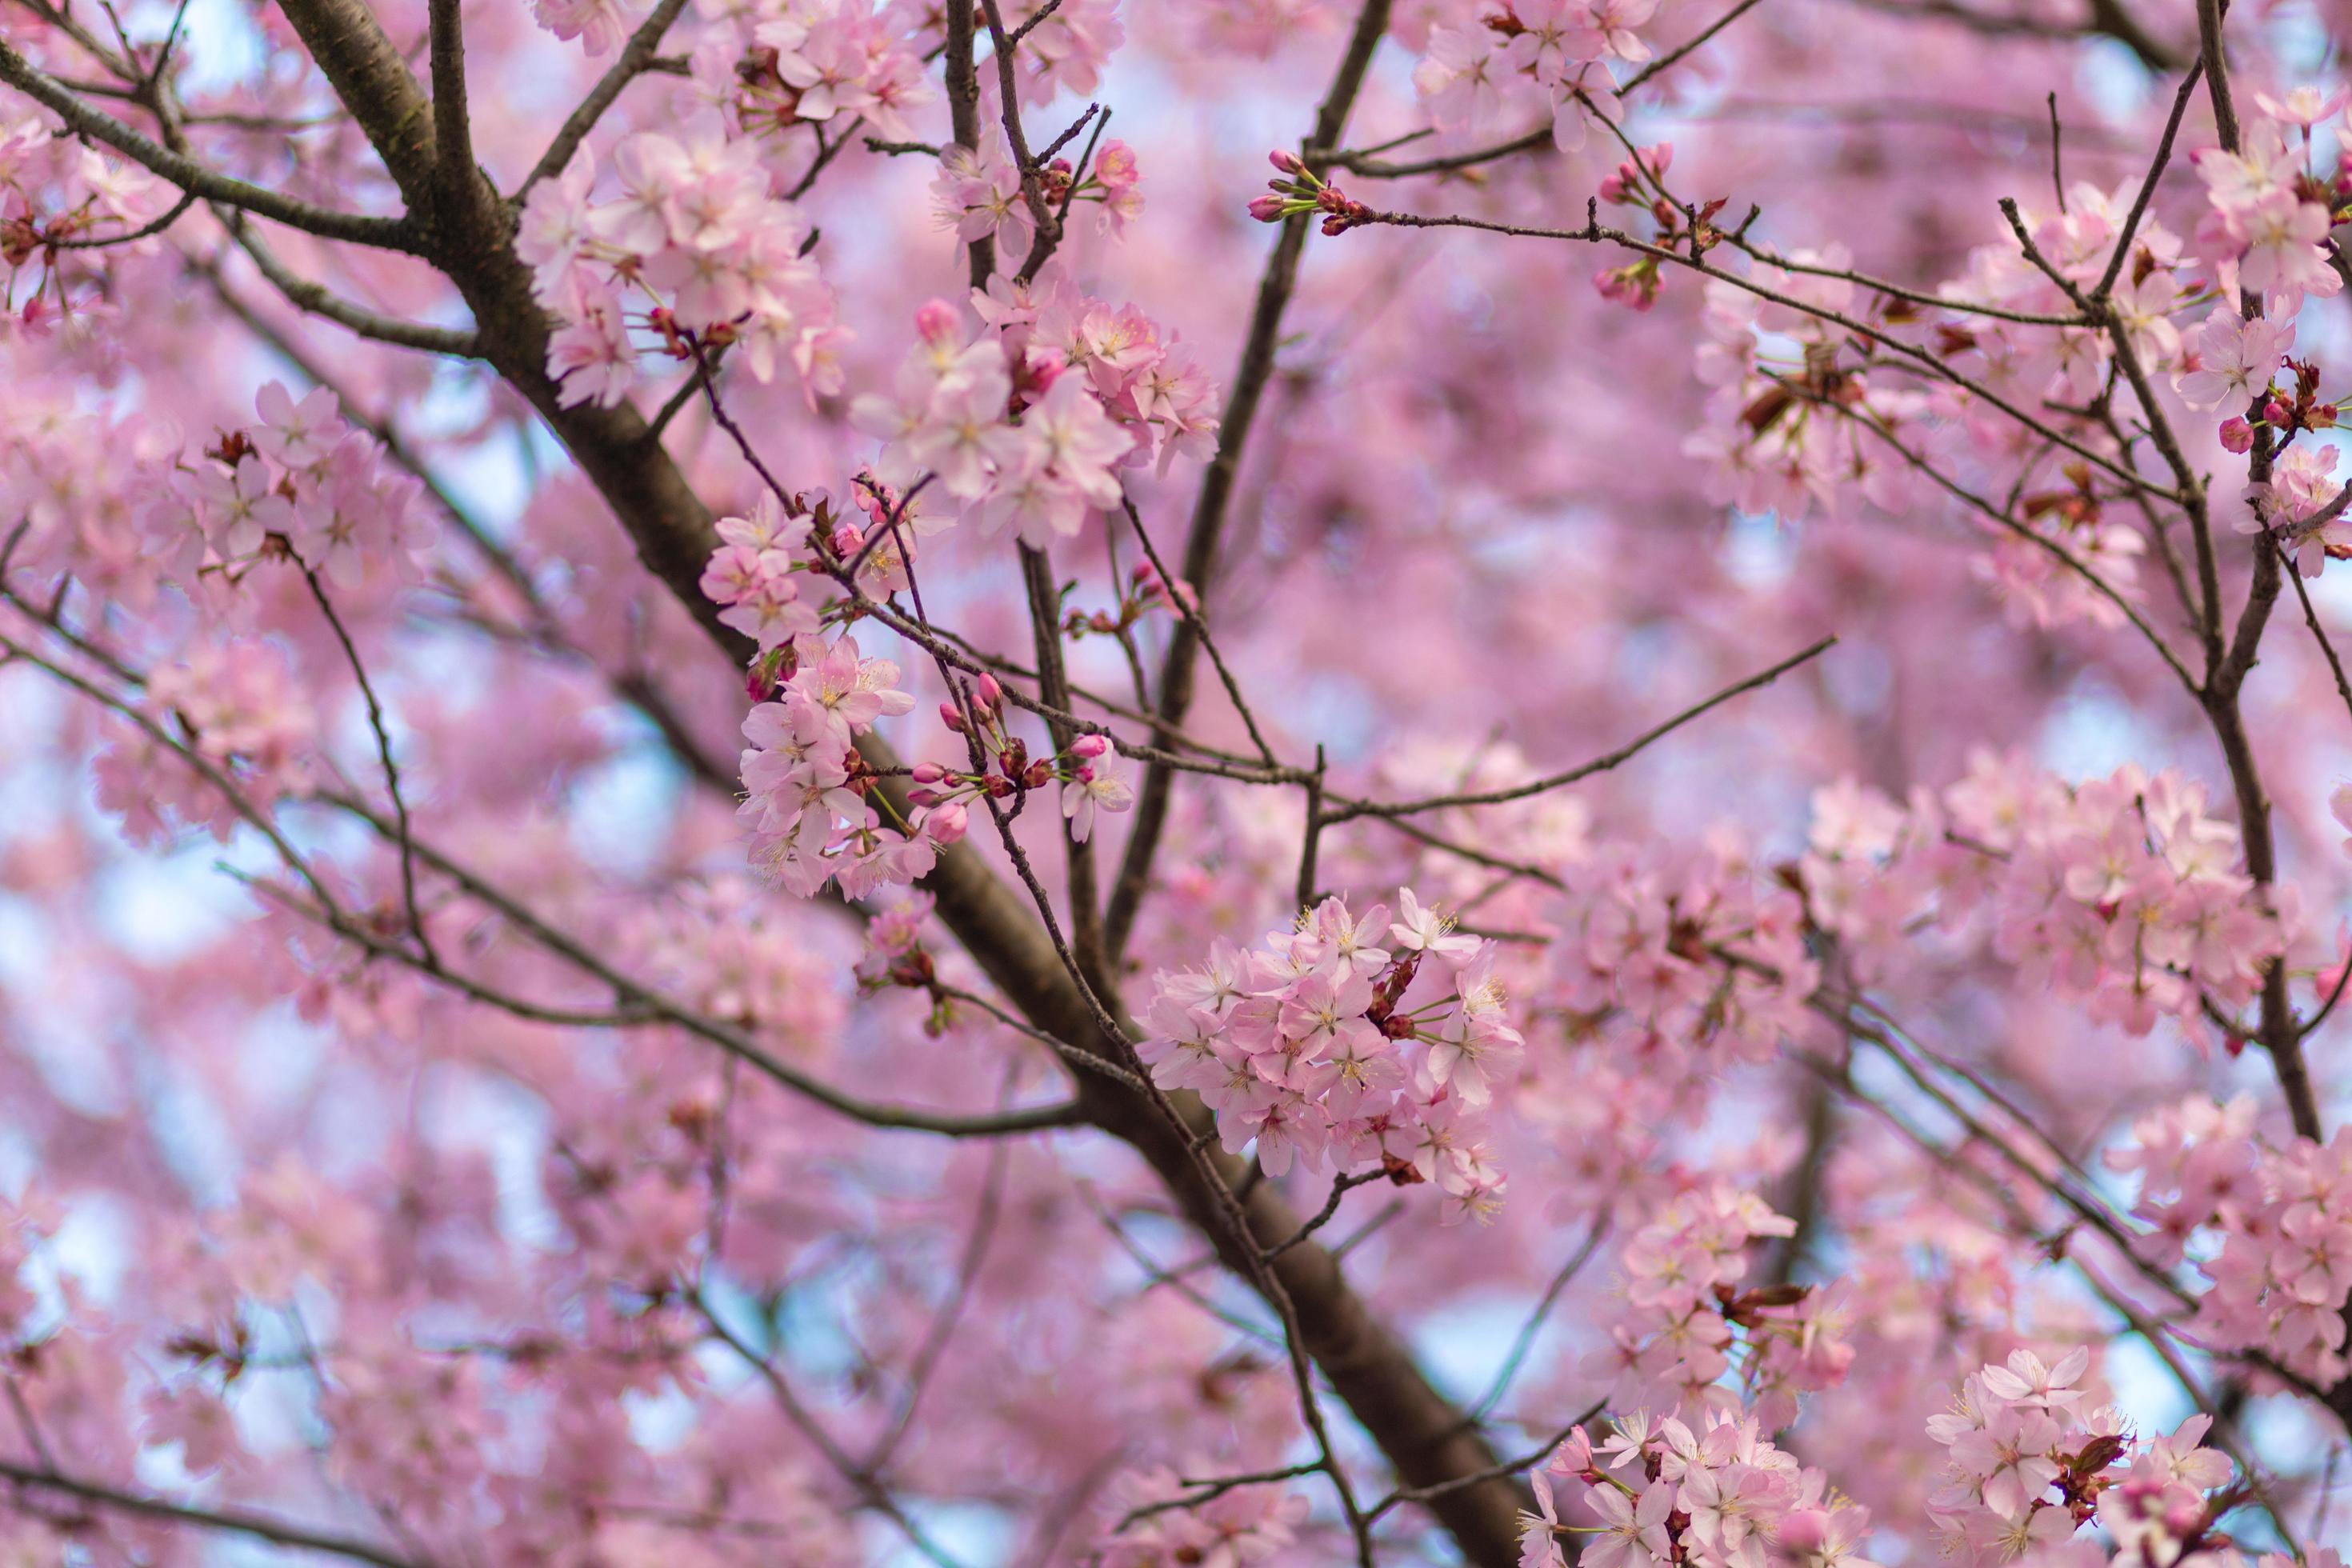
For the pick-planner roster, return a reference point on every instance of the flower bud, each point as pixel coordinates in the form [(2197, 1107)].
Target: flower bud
[(929, 772), (1267, 209), (947, 824), (952, 716), (2278, 414), (1287, 162), (2237, 435), (938, 322), (1803, 1529), (987, 696), (1089, 747)]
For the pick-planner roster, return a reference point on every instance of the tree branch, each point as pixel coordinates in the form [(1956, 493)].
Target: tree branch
[(384, 233)]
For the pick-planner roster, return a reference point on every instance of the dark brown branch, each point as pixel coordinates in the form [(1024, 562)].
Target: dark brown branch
[(317, 300), (228, 1521), (1203, 541), (385, 233), (384, 756), (1602, 763), (637, 55)]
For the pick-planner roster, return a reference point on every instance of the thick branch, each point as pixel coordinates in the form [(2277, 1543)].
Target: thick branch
[(1367, 1366)]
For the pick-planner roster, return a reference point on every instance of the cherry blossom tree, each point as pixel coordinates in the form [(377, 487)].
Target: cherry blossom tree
[(1290, 781)]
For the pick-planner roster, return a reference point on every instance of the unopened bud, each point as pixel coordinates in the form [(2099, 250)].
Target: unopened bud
[(1804, 1530), (938, 322)]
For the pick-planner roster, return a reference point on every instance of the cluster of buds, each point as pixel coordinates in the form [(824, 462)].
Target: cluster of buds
[(763, 100), (1088, 770), (2283, 412), (1299, 189), (2305, 412), (1628, 185), (1635, 284), (21, 237), (1147, 591), (769, 668)]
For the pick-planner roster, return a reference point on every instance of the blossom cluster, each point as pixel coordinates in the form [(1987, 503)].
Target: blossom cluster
[(57, 191), (1797, 424), (2266, 225), (1718, 1494), (237, 707), (2031, 1461), (1025, 425), (1530, 60), (301, 483), (1317, 1048), (1691, 965), (691, 254), (2125, 892), (1685, 1321), (2283, 1217), (832, 63), (951, 415), (754, 576), (809, 798)]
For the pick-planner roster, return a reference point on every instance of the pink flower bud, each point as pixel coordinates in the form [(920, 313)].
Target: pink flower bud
[(952, 716), (1267, 209), (938, 322), (1089, 746), (987, 695), (2237, 435), (946, 823), (1804, 1529), (922, 797), (1287, 162), (927, 772), (2278, 414)]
